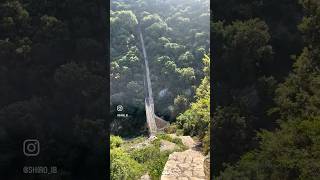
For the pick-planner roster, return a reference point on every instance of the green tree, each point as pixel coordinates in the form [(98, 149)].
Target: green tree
[(242, 83), (196, 120), (299, 95), (291, 151), (186, 59)]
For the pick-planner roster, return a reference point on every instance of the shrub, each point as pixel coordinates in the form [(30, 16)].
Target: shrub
[(179, 132), (115, 141), (152, 159), (179, 142), (206, 142), (167, 137), (123, 166), (144, 154), (156, 143), (155, 166), (171, 129), (164, 137)]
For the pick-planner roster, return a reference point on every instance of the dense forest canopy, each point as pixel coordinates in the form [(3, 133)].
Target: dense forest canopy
[(266, 117), (53, 86), (176, 36)]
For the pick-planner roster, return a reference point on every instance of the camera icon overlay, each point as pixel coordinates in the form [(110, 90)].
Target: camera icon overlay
[(31, 147), (120, 108)]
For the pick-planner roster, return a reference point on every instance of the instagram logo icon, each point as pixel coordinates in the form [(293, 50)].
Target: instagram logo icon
[(31, 147)]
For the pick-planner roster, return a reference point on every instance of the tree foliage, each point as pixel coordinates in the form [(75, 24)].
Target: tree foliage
[(291, 151), (53, 82), (195, 121), (123, 166), (175, 43)]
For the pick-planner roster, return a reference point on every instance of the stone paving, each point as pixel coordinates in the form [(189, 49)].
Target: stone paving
[(186, 165), (186, 140)]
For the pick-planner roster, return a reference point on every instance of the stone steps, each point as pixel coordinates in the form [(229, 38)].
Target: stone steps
[(186, 165)]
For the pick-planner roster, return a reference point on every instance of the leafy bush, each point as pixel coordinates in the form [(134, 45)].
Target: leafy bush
[(196, 120), (171, 129), (167, 137), (179, 142), (155, 166), (115, 141), (156, 143), (164, 137), (179, 132), (206, 142), (144, 154), (123, 166), (152, 159)]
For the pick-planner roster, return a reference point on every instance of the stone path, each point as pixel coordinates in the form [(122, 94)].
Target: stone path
[(186, 165), (143, 144), (186, 140), (167, 145), (145, 177)]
